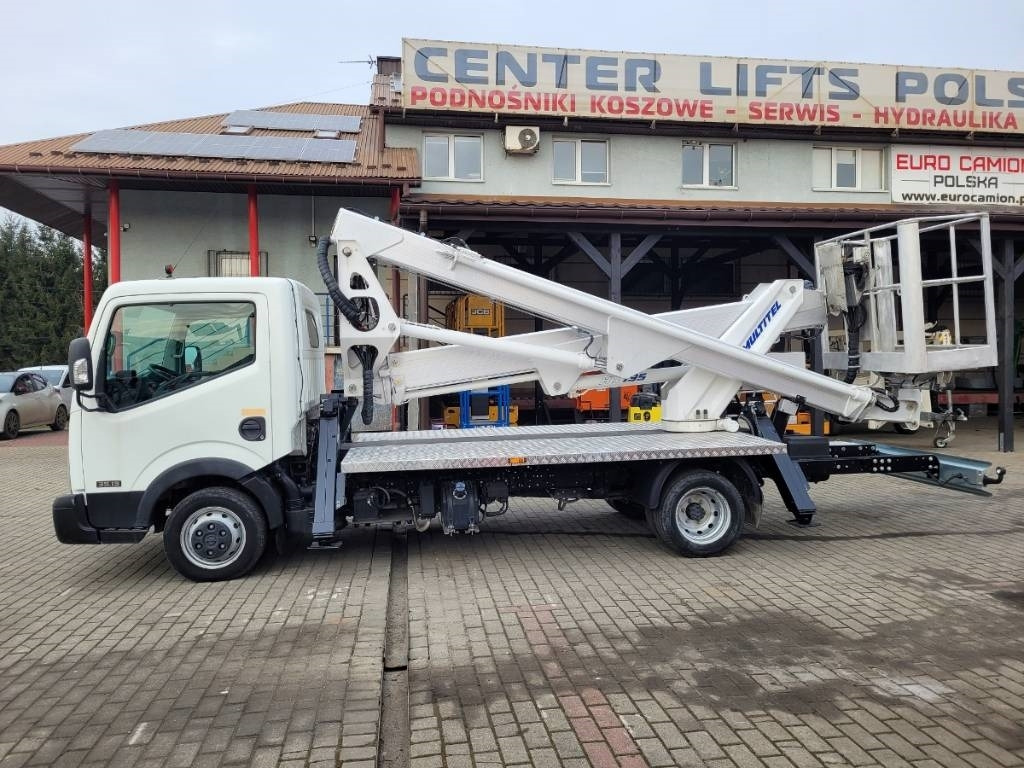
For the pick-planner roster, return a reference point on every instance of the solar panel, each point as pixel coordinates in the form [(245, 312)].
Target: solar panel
[(163, 143), (293, 121)]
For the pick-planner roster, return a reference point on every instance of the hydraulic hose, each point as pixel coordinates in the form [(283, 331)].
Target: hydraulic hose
[(856, 316), (344, 304), (367, 355), (852, 349)]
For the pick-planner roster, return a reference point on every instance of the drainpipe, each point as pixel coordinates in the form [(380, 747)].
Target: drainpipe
[(254, 233), (114, 232)]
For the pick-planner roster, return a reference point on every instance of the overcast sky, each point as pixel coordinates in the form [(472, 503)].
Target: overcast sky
[(68, 66)]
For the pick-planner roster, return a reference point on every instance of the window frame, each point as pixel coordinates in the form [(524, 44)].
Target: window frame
[(113, 340), (578, 156), (833, 150), (451, 137), (706, 170)]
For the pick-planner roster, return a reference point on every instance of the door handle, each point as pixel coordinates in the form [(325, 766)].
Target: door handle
[(253, 428)]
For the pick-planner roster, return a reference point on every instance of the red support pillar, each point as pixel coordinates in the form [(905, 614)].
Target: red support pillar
[(114, 232), (254, 233), (87, 267)]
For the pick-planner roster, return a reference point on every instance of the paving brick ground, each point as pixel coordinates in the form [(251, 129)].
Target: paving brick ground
[(892, 634)]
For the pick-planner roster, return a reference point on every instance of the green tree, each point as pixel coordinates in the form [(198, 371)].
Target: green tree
[(41, 293)]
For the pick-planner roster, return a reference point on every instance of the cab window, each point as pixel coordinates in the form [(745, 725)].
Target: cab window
[(154, 350)]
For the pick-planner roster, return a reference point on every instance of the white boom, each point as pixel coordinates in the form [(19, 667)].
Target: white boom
[(606, 344)]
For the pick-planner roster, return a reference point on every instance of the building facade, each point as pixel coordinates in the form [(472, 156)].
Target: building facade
[(658, 181)]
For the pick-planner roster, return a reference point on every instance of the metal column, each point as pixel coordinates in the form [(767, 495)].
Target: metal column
[(87, 270), (1009, 269), (114, 232), (254, 233)]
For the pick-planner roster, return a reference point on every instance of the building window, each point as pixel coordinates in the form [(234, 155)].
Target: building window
[(232, 263), (848, 168), (708, 165), (580, 161), (453, 157)]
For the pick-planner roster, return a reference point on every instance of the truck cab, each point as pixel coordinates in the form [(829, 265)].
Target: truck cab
[(194, 383)]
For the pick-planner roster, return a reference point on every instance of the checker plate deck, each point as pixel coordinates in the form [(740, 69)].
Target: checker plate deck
[(481, 447)]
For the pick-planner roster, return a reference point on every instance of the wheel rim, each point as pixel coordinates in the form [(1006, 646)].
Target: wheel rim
[(212, 537), (11, 424), (62, 417), (702, 515)]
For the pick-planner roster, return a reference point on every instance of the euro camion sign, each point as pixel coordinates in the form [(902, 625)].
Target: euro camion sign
[(526, 81), (956, 175)]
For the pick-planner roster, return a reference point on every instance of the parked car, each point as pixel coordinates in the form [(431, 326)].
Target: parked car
[(29, 400), (58, 376)]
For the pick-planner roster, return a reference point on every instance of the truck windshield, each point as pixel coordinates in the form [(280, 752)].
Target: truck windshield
[(152, 350)]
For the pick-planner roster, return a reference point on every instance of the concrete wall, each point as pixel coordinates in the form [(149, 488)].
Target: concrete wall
[(643, 168), (180, 228)]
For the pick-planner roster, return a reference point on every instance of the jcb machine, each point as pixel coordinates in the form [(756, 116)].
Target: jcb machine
[(483, 316), (241, 444)]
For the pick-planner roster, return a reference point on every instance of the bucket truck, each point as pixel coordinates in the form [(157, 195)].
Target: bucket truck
[(200, 412)]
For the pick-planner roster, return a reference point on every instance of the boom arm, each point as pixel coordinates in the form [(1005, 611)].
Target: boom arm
[(605, 343)]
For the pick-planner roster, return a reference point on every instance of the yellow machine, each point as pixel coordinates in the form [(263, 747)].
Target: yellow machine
[(476, 314), (492, 407), (645, 407)]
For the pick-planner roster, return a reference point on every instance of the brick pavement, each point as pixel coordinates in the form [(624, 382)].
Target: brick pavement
[(892, 634)]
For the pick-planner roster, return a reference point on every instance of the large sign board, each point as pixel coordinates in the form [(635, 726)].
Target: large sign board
[(956, 175), (525, 81)]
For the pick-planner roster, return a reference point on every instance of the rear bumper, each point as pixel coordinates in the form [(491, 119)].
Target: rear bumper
[(71, 524)]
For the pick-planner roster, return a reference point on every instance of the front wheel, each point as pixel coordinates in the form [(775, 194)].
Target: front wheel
[(701, 514), (215, 534), (12, 426), (60, 420)]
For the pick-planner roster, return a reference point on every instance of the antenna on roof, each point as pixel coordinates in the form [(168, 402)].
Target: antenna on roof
[(370, 60)]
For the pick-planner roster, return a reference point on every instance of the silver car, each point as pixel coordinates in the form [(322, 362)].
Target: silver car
[(29, 400), (57, 375)]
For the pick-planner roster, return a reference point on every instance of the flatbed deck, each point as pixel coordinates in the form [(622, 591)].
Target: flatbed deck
[(481, 447)]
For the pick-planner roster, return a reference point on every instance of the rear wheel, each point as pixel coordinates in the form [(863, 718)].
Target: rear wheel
[(701, 514), (60, 420), (12, 425), (627, 508), (215, 534)]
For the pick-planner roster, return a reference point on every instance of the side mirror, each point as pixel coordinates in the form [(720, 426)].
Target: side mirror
[(80, 364)]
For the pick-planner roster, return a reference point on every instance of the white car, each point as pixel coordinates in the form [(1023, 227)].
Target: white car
[(57, 376), (29, 400)]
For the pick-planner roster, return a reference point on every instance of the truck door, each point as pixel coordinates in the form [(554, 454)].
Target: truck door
[(175, 381)]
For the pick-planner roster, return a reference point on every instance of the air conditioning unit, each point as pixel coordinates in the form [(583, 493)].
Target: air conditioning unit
[(522, 139)]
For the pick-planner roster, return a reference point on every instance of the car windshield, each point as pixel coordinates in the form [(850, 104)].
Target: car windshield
[(52, 375), (7, 381)]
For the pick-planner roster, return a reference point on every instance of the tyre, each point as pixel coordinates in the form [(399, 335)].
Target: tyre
[(701, 514), (906, 429), (12, 425), (627, 508), (60, 420), (215, 534)]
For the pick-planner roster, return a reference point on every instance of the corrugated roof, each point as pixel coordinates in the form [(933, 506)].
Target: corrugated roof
[(373, 162)]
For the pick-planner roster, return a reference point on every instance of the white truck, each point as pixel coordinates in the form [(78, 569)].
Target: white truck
[(200, 408)]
